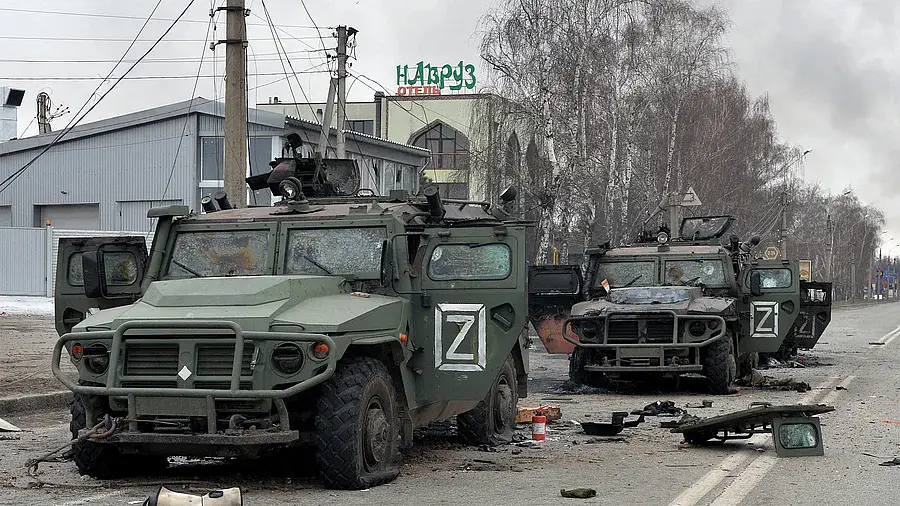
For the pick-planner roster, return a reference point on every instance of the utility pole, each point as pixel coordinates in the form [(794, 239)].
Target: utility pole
[(342, 34), (829, 248), (235, 102), (784, 224), (43, 113)]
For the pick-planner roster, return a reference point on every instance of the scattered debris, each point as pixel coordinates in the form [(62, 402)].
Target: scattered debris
[(578, 493), (757, 380), (682, 465), (487, 448), (572, 388), (893, 462), (705, 404), (891, 421), (840, 388), (225, 497), (551, 411), (601, 428), (516, 451), (8, 427), (659, 408), (594, 440)]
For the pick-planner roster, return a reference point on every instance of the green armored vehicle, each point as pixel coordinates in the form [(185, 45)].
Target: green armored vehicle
[(696, 304), (335, 325)]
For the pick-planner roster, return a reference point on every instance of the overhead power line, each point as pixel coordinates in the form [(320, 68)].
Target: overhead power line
[(122, 16), (98, 39), (144, 78), (6, 183), (174, 59)]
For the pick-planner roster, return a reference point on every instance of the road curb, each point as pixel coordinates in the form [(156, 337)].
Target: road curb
[(38, 402)]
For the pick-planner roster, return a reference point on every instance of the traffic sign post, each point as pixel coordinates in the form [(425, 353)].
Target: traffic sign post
[(806, 270)]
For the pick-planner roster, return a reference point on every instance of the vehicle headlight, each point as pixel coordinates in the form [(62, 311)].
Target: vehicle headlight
[(697, 328), (96, 358), (287, 358)]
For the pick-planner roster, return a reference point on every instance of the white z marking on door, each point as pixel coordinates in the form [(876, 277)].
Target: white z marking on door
[(764, 319), (468, 317)]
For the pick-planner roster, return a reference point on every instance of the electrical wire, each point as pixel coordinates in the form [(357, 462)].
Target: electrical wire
[(187, 117), (142, 78), (97, 39), (158, 60), (279, 43), (121, 16), (6, 183)]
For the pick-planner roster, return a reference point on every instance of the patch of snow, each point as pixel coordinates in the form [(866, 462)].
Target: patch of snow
[(16, 305)]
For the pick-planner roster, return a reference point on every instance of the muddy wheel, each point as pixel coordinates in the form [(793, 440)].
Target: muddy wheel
[(104, 461), (720, 367), (492, 422), (577, 374), (357, 429)]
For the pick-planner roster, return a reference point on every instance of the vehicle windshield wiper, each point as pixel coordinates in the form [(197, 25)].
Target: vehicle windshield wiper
[(317, 264), (187, 269), (626, 285)]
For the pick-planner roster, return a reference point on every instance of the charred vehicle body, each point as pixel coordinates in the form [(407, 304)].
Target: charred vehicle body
[(670, 307), (335, 324)]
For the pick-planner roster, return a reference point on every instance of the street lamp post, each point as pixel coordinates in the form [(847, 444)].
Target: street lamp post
[(889, 264)]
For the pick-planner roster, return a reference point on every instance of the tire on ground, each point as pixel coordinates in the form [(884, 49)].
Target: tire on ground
[(577, 374), (357, 426), (720, 367), (104, 461), (493, 420)]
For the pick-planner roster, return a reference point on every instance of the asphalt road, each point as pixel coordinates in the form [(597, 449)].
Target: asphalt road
[(647, 465)]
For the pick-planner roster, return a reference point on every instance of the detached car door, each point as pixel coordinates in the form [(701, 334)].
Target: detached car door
[(768, 315), (552, 291), (123, 261)]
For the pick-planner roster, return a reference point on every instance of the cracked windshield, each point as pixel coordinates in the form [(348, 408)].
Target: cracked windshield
[(335, 251), (626, 274), (695, 272), (219, 253)]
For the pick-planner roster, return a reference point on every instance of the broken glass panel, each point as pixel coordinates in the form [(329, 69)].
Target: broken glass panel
[(694, 272), (470, 262), (622, 274), (219, 253), (341, 251)]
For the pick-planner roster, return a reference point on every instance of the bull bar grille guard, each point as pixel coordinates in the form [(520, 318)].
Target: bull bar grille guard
[(234, 392), (606, 317)]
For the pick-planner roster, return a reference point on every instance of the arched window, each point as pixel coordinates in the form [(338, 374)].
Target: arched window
[(449, 163)]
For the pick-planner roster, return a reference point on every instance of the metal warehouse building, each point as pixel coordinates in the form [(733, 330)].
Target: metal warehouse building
[(106, 175)]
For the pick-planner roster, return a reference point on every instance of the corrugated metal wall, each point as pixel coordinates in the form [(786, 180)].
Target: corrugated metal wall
[(31, 253), (22, 262), (131, 164)]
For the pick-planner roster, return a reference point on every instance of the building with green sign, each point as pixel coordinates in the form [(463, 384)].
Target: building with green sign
[(473, 155)]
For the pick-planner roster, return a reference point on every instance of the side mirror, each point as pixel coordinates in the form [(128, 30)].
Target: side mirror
[(94, 282), (387, 263), (755, 284)]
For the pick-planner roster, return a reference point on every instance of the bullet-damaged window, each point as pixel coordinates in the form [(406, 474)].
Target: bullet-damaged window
[(470, 262)]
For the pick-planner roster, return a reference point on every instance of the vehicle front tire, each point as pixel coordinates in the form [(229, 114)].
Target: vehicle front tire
[(720, 367), (577, 374), (357, 426), (493, 421), (99, 460)]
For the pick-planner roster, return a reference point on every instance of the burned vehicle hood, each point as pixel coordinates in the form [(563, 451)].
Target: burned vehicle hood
[(651, 299), (321, 304)]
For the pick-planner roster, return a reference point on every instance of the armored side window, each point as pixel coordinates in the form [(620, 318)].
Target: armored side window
[(775, 278), (121, 268), (75, 271), (710, 272), (470, 262)]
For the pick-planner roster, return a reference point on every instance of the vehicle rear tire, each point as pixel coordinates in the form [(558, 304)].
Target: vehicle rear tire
[(577, 374), (493, 421), (357, 426), (100, 460), (720, 367)]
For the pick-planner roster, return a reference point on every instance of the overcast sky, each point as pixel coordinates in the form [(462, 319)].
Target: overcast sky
[(829, 66)]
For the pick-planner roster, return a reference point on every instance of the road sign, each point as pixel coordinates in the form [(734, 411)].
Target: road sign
[(771, 253), (805, 270), (690, 198)]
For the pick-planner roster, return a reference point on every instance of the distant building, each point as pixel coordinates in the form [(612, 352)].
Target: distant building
[(107, 174)]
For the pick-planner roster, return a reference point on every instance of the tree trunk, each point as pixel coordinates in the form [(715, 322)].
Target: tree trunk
[(670, 153)]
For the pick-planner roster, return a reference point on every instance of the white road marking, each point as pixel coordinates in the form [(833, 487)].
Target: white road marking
[(750, 477), (89, 499), (693, 494), (887, 338)]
